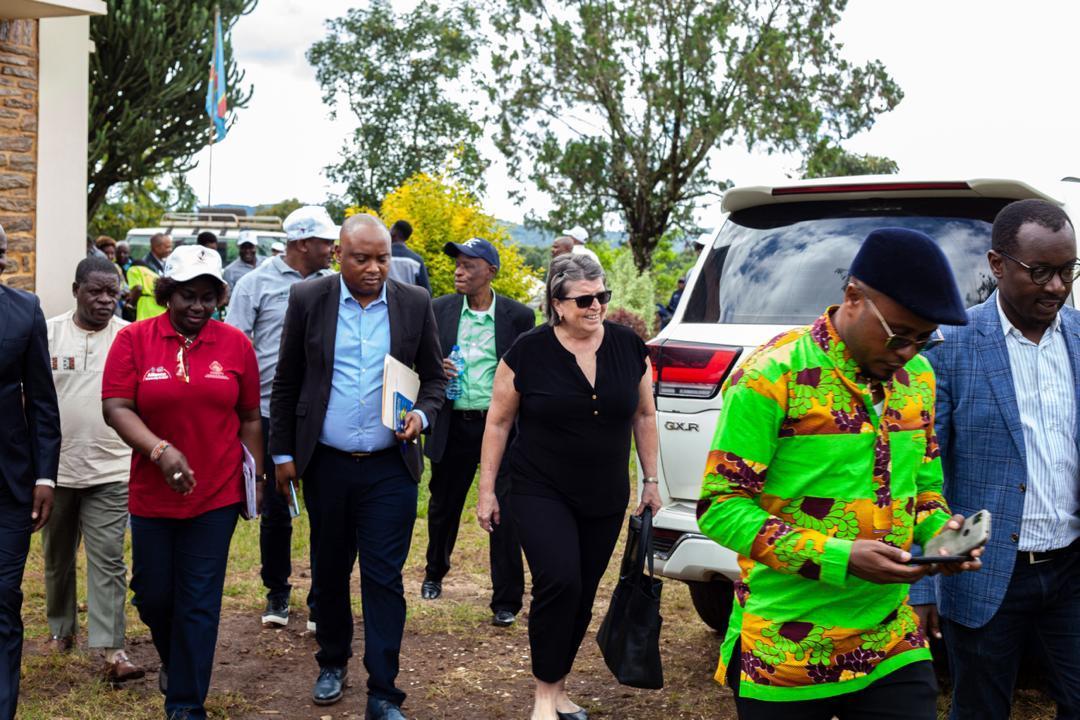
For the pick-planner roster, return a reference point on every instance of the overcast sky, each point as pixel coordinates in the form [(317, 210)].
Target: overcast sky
[(990, 91)]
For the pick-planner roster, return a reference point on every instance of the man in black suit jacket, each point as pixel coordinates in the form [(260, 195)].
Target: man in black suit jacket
[(484, 325), (29, 459), (360, 478)]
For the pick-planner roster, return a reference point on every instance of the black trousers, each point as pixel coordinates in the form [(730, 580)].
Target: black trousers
[(367, 508), (275, 535), (909, 693), (15, 525), (451, 479), (568, 554)]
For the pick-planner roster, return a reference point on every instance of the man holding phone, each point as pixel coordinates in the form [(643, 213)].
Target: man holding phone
[(1008, 427), (258, 304), (823, 471)]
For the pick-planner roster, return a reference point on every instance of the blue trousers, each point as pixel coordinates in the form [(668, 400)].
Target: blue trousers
[(1041, 605), (367, 508), (15, 527), (275, 535), (178, 574)]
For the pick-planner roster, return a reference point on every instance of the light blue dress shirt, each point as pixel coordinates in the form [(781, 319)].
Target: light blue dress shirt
[(1045, 397), (353, 420)]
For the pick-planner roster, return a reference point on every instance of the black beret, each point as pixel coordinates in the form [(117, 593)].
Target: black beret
[(909, 267)]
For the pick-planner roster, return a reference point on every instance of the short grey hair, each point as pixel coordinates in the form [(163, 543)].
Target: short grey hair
[(567, 269)]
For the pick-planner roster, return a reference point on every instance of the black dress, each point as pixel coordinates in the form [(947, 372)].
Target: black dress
[(573, 439)]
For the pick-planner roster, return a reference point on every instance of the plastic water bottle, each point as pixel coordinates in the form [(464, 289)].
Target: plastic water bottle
[(453, 388)]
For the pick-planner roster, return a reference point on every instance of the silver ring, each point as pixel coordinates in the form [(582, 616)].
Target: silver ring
[(177, 475)]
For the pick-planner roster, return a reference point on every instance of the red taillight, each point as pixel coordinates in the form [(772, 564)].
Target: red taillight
[(690, 370), (868, 187)]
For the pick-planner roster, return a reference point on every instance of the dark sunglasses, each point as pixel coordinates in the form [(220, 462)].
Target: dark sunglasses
[(586, 301), (1042, 274), (899, 342)]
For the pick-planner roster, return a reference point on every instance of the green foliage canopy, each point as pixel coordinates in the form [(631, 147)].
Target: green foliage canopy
[(827, 159), (615, 106), (148, 77), (396, 73), (141, 204)]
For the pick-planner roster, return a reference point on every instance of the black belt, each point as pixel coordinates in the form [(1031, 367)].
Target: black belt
[(1032, 557), (359, 455), (471, 415)]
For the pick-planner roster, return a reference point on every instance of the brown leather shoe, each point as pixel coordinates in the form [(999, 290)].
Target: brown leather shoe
[(122, 669), (57, 644)]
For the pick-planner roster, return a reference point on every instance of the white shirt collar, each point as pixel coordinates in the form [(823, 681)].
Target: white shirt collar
[(1007, 327)]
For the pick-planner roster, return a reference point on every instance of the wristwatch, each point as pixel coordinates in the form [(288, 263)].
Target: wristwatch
[(650, 480)]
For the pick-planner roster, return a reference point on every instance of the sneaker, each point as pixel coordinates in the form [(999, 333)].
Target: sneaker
[(276, 613)]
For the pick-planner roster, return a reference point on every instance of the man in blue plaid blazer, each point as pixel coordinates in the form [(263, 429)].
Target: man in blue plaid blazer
[(1008, 422)]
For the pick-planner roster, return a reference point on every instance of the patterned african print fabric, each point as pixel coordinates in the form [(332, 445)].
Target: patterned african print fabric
[(801, 466)]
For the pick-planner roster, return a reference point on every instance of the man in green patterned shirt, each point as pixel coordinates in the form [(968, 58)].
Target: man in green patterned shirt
[(484, 325), (823, 471)]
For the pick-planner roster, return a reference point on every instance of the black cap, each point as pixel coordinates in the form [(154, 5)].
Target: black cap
[(909, 267)]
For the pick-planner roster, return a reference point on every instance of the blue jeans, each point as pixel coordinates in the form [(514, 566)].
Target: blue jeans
[(178, 574), (14, 545), (367, 508), (1042, 605)]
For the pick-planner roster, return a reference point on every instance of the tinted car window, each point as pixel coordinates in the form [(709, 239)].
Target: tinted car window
[(783, 264)]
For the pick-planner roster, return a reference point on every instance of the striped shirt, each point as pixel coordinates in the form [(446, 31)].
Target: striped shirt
[(1045, 397)]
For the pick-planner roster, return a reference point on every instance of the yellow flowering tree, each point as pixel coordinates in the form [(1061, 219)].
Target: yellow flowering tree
[(441, 211)]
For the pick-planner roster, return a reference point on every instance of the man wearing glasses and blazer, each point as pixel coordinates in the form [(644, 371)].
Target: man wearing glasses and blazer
[(1009, 431)]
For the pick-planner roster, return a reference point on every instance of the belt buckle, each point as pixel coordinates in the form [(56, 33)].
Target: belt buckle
[(1033, 561), (360, 455)]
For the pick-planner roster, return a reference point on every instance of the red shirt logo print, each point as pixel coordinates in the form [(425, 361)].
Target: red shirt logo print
[(217, 372)]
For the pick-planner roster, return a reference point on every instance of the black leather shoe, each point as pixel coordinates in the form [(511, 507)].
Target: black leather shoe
[(576, 715), (503, 618), (163, 680), (431, 590), (379, 709), (329, 686)]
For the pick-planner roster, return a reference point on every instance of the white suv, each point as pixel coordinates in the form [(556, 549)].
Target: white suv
[(779, 258)]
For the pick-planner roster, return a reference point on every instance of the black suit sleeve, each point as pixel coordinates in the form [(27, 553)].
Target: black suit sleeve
[(428, 363), (42, 410), (288, 378), (524, 319)]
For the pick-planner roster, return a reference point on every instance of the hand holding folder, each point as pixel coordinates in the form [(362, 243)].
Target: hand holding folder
[(401, 386)]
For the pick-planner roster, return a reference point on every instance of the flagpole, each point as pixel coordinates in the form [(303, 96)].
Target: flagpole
[(210, 168)]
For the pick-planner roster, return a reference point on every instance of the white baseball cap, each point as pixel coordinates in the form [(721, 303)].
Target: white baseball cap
[(310, 221), (191, 261), (278, 247), (248, 237), (577, 232)]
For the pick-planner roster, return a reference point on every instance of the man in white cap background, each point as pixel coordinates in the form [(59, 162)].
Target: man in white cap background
[(241, 266), (257, 308), (579, 235)]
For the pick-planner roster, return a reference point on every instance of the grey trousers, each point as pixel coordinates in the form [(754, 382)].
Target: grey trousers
[(97, 515)]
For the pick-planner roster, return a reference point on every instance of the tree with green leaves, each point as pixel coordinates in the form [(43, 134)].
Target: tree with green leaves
[(828, 159), (400, 74), (142, 204), (280, 209), (148, 78), (616, 107)]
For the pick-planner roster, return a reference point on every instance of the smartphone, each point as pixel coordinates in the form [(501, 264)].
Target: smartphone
[(294, 505), (957, 544)]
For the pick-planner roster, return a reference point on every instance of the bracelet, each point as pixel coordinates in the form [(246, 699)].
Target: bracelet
[(651, 480), (159, 450)]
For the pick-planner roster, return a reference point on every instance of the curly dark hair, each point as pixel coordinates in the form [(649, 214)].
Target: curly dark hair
[(1013, 216), (165, 287)]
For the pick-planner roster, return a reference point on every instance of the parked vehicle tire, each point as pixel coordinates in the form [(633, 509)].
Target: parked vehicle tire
[(713, 600)]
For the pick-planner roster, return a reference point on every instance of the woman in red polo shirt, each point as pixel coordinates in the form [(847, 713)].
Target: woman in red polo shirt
[(183, 391)]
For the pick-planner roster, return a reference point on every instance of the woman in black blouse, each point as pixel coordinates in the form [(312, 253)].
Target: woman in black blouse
[(576, 387)]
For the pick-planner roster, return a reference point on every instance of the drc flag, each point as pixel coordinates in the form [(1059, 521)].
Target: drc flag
[(216, 105)]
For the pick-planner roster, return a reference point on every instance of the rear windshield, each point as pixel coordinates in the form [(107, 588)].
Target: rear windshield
[(784, 264)]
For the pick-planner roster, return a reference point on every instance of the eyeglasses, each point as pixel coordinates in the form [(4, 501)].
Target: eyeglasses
[(586, 301), (1042, 274), (899, 342)]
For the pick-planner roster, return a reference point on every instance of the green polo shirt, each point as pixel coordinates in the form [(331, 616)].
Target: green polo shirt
[(476, 338)]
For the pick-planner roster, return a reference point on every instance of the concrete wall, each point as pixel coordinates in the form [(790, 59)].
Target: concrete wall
[(18, 147), (63, 99)]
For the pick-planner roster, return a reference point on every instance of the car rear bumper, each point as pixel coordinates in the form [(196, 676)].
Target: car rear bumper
[(681, 552)]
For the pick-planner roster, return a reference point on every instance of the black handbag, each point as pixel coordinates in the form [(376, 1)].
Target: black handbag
[(629, 636)]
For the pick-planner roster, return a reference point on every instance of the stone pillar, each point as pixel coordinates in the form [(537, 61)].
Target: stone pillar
[(18, 147)]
